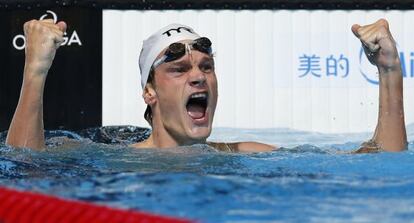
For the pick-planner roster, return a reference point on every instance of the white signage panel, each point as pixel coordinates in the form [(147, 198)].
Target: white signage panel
[(294, 69)]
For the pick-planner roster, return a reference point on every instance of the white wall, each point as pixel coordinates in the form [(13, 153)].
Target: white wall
[(257, 57)]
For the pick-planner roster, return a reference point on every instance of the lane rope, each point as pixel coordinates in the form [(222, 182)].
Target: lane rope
[(22, 206)]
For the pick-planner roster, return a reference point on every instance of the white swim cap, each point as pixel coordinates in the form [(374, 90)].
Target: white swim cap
[(157, 42)]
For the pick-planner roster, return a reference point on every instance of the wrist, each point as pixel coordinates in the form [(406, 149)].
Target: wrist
[(34, 78), (35, 70), (390, 67)]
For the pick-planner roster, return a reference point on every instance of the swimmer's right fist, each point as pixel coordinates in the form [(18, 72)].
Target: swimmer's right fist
[(43, 38)]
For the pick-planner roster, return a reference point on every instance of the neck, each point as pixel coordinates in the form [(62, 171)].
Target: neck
[(162, 138), (158, 139)]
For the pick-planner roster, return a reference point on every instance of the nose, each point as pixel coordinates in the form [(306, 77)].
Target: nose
[(198, 78)]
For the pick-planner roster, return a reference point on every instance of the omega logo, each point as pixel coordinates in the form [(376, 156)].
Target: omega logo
[(19, 41)]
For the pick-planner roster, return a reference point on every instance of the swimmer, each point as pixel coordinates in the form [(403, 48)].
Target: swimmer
[(180, 88)]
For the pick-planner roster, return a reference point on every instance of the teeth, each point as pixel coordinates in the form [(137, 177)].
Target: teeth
[(199, 95)]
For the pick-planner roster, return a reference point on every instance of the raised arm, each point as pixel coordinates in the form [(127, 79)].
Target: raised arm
[(43, 38), (381, 50)]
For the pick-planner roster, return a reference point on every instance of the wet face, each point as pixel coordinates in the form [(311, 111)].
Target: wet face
[(186, 97)]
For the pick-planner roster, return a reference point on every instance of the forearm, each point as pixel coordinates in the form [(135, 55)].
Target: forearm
[(26, 128), (380, 49), (43, 38), (390, 133)]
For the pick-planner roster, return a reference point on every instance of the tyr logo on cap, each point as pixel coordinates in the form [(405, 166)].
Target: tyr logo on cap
[(157, 42), (178, 30)]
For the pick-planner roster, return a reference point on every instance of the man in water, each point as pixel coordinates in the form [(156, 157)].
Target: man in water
[(180, 88)]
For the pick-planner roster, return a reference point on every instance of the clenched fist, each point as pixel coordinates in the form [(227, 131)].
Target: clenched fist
[(381, 50), (43, 38), (378, 44)]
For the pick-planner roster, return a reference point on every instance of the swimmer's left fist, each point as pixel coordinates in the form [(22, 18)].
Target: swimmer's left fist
[(381, 50), (379, 46)]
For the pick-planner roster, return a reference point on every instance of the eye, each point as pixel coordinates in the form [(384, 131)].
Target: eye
[(207, 67), (178, 69)]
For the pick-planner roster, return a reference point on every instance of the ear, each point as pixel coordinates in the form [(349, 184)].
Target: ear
[(149, 94)]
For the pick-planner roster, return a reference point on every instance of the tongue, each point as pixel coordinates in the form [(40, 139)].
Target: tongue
[(195, 111)]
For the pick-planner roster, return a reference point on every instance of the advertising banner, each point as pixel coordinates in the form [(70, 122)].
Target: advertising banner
[(73, 92), (298, 69)]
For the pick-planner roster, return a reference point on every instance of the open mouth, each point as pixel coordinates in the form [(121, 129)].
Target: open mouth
[(197, 105)]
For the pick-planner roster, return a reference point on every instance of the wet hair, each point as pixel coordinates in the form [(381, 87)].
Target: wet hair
[(148, 111)]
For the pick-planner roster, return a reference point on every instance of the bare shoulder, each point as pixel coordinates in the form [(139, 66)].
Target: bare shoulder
[(254, 147), (243, 147)]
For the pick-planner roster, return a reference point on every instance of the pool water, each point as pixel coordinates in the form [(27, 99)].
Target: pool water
[(310, 179)]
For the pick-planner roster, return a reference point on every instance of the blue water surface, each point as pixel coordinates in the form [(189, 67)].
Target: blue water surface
[(311, 179)]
